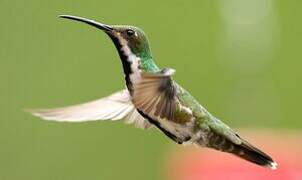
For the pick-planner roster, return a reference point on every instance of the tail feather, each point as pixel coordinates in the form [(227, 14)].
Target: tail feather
[(243, 150), (253, 154)]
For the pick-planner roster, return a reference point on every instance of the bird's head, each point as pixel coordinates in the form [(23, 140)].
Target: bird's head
[(129, 40)]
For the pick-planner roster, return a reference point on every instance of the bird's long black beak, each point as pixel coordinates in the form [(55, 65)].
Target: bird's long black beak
[(98, 25)]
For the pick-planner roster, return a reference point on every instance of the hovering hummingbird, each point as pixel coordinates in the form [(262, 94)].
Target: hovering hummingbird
[(153, 99)]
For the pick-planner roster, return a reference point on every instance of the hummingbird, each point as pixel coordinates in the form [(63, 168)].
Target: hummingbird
[(152, 98)]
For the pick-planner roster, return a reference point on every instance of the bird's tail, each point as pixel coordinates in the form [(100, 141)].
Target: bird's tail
[(243, 150)]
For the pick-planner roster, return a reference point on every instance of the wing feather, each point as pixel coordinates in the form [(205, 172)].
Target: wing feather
[(114, 107), (155, 94)]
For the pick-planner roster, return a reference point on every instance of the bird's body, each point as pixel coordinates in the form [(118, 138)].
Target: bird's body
[(153, 98)]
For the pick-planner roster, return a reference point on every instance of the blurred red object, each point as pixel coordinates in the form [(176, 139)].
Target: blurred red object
[(191, 163)]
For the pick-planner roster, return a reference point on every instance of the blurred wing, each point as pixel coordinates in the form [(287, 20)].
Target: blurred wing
[(154, 94), (114, 107)]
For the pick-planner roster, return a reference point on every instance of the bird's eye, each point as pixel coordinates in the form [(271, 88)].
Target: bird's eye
[(130, 32)]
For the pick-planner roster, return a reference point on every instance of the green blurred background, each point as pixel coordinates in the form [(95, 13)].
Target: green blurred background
[(240, 59)]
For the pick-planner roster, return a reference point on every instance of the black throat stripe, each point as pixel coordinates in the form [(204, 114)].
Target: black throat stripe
[(126, 64)]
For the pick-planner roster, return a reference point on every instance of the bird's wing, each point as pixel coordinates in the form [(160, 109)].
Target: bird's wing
[(154, 94), (114, 107)]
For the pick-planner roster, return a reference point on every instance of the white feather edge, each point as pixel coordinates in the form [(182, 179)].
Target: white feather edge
[(117, 106), (273, 165)]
